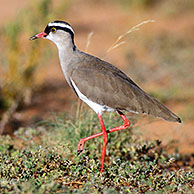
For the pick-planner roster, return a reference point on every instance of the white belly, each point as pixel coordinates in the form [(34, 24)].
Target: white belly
[(96, 107)]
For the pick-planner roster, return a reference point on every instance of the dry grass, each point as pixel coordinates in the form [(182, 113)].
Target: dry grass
[(118, 43)]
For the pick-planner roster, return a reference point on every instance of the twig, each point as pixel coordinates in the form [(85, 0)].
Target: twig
[(88, 40), (134, 28)]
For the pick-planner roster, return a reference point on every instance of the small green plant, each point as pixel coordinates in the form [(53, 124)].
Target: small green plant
[(44, 160)]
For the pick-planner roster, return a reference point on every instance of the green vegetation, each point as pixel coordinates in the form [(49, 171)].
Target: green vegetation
[(19, 62), (20, 59), (44, 160)]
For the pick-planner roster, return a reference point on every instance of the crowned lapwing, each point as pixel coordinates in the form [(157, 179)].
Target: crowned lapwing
[(99, 84)]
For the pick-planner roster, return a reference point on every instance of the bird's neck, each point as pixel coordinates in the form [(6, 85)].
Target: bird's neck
[(66, 52)]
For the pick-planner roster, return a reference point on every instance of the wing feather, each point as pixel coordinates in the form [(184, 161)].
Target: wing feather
[(105, 84)]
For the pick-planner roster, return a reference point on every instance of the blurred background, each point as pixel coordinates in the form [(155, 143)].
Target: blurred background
[(159, 57)]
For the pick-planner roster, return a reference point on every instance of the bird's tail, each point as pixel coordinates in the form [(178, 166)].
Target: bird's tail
[(154, 108)]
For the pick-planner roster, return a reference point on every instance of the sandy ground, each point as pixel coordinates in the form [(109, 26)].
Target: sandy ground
[(106, 21)]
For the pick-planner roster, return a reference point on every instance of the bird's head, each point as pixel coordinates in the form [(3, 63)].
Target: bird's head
[(59, 32)]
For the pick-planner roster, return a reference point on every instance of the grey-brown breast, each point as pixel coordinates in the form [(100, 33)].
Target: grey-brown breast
[(105, 84)]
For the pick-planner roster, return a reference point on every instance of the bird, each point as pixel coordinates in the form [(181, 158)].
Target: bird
[(102, 86)]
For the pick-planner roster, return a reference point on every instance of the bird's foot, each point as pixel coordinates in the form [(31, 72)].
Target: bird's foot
[(80, 146)]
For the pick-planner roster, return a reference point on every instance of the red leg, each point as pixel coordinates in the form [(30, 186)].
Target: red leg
[(105, 136), (105, 139), (126, 124)]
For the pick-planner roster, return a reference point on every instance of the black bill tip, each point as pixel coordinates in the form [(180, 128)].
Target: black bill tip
[(33, 37)]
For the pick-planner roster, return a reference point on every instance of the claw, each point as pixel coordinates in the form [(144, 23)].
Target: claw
[(80, 146)]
